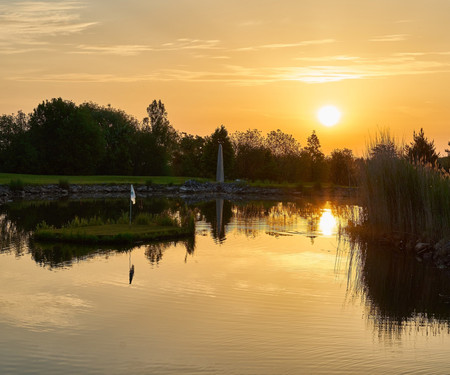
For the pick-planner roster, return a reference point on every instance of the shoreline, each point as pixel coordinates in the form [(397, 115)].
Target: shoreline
[(190, 190)]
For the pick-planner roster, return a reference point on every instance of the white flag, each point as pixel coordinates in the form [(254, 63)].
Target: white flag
[(133, 195)]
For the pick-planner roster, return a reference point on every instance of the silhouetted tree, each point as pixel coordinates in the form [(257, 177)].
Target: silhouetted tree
[(17, 153), (165, 136), (342, 167), (254, 159), (317, 157), (286, 153), (421, 150), (118, 132), (187, 160), (67, 138)]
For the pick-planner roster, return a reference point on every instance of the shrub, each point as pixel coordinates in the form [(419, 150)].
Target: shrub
[(16, 185), (64, 184)]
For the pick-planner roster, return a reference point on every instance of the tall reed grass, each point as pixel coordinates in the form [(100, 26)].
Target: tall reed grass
[(412, 200)]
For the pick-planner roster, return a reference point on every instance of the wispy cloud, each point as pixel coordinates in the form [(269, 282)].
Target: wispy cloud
[(26, 22), (286, 45), (250, 76), (135, 49), (336, 58), (390, 38)]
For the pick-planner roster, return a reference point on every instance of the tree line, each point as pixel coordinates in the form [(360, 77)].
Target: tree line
[(60, 137)]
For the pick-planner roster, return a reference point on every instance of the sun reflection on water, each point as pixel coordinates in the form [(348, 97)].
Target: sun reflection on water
[(327, 223)]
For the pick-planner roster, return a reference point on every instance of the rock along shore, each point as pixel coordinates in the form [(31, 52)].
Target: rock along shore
[(190, 190)]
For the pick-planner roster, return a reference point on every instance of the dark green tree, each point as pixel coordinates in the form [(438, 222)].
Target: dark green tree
[(421, 150), (187, 160), (17, 153), (118, 132), (342, 167), (317, 158), (253, 159), (286, 153), (166, 137), (67, 139)]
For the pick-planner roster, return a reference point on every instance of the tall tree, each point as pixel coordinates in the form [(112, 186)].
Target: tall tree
[(253, 158), (342, 167), (118, 132), (67, 138), (316, 156), (165, 136), (17, 153), (421, 150), (286, 154), (187, 160)]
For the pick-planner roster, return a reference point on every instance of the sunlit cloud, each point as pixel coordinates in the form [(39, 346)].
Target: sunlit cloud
[(328, 58), (339, 68), (390, 38), (133, 49), (25, 23), (123, 50), (286, 45)]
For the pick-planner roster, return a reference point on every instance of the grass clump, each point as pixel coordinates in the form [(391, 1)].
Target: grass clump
[(16, 185), (145, 227), (64, 184), (411, 200)]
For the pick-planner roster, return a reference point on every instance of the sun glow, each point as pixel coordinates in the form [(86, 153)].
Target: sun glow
[(327, 223), (329, 115)]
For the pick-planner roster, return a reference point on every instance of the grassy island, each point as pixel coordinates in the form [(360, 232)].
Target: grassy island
[(145, 228)]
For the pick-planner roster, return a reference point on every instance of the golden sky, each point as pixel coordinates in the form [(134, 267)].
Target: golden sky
[(245, 64)]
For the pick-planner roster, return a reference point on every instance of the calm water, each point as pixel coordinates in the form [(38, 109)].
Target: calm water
[(265, 288)]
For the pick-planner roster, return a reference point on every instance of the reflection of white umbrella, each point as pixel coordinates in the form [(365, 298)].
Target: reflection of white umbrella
[(131, 269)]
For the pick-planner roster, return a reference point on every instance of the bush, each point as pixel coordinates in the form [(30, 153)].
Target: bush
[(16, 185), (64, 184)]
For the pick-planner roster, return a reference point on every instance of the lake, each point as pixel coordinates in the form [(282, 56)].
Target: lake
[(265, 287)]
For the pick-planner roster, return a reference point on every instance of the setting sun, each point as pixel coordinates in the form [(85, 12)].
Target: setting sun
[(329, 115)]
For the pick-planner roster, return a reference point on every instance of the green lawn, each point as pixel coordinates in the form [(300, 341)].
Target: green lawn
[(30, 179)]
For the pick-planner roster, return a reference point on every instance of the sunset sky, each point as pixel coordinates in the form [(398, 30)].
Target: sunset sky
[(244, 64)]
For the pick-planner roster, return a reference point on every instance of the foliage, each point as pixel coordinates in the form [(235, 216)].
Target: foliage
[(421, 150), (253, 159), (317, 158), (342, 167), (188, 156), (16, 185), (118, 136), (70, 142)]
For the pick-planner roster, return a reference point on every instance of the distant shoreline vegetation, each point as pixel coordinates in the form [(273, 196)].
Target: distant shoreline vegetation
[(62, 138)]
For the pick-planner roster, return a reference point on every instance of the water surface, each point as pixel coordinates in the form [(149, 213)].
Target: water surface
[(264, 288)]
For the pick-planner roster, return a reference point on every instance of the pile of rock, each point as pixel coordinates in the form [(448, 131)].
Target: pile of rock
[(438, 254)]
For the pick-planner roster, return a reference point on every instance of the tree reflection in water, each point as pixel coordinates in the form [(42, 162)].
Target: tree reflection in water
[(13, 238), (400, 294)]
